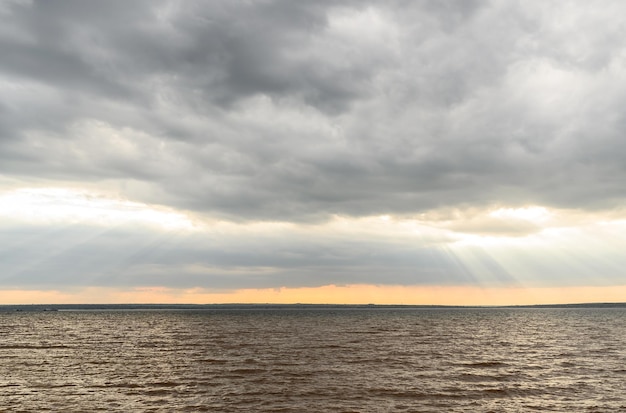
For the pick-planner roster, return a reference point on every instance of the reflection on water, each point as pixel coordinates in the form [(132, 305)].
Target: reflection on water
[(335, 360)]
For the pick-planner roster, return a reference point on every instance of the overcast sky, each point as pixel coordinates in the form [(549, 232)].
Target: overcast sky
[(230, 145)]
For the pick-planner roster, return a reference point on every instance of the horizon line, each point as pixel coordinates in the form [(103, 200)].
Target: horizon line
[(348, 305)]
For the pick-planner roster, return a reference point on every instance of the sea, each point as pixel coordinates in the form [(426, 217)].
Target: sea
[(312, 359)]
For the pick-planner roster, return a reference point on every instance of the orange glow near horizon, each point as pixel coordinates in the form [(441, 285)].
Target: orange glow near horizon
[(329, 294)]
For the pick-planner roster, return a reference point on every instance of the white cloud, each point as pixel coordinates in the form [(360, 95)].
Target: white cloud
[(54, 206)]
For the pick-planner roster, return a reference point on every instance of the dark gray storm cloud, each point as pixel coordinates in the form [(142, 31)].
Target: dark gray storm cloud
[(283, 110)]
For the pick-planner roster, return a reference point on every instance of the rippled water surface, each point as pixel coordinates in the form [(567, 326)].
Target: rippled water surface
[(315, 360)]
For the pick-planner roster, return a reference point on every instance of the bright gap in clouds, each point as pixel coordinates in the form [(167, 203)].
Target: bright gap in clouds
[(451, 250), (535, 214), (70, 206)]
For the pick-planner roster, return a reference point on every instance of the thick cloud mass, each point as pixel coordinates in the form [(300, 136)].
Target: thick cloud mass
[(282, 110)]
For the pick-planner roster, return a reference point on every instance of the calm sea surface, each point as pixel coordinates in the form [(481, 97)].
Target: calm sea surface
[(314, 360)]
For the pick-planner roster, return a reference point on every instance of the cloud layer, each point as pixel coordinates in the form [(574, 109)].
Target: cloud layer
[(306, 113), (272, 109)]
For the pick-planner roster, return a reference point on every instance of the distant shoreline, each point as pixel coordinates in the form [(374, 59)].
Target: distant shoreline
[(243, 306)]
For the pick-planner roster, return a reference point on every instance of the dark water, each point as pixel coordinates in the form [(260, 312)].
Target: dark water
[(315, 360)]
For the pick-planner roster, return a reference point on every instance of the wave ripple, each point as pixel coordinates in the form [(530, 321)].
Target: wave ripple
[(315, 359)]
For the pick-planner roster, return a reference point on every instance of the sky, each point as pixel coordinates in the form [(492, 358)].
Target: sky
[(413, 152)]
